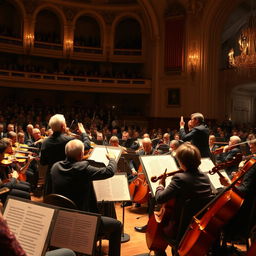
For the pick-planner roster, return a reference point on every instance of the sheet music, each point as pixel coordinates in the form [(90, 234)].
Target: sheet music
[(99, 153), (112, 189), (207, 165), (30, 223), (75, 231), (155, 166)]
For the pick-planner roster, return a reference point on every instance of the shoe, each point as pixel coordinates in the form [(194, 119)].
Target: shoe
[(129, 203), (141, 229), (137, 205)]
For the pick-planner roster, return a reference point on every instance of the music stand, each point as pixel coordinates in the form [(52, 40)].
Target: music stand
[(114, 189)]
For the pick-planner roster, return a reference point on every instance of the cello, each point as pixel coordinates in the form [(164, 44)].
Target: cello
[(156, 221), (202, 232), (138, 188)]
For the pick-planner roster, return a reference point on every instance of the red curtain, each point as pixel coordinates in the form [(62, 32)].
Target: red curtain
[(174, 43)]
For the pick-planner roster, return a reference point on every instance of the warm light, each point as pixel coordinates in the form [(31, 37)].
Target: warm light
[(69, 47), (247, 47), (29, 37), (193, 60)]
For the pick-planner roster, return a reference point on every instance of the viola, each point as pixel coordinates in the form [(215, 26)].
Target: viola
[(202, 232), (138, 188)]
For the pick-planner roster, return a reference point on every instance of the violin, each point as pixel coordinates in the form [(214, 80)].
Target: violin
[(235, 160), (167, 174), (220, 149), (12, 158)]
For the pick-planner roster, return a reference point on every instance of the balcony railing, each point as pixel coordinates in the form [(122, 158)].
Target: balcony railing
[(9, 75), (11, 40), (45, 45)]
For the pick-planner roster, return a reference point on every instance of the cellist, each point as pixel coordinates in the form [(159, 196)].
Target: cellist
[(238, 226), (189, 184)]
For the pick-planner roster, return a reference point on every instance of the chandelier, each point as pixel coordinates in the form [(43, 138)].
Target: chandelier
[(247, 46)]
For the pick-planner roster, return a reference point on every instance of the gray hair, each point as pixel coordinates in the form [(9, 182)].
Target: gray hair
[(56, 122), (198, 116)]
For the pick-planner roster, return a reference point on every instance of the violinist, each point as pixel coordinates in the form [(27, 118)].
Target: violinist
[(21, 138), (9, 177), (28, 133), (114, 142), (189, 184), (229, 151)]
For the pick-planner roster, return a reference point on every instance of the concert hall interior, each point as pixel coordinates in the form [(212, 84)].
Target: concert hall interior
[(148, 77)]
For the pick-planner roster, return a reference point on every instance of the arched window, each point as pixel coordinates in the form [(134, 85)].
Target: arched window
[(128, 34), (11, 23), (87, 32), (48, 28)]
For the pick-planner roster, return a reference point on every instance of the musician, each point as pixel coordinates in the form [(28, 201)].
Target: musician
[(189, 184), (53, 148), (229, 151), (2, 133), (212, 146), (28, 133), (199, 134), (247, 190), (9, 177), (21, 138), (73, 178)]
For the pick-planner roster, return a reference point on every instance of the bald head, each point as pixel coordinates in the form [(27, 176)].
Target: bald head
[(74, 150)]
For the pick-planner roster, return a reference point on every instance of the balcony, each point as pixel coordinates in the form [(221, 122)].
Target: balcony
[(11, 78)]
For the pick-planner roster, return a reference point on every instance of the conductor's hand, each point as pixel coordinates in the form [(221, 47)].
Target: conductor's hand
[(182, 123), (110, 156), (224, 181), (81, 128)]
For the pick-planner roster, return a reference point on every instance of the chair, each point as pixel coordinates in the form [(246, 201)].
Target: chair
[(60, 200), (191, 208)]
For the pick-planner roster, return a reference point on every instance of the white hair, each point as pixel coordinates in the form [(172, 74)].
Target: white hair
[(56, 122), (235, 139), (74, 148)]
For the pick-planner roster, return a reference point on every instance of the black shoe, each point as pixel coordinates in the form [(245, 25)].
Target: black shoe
[(141, 229), (129, 203)]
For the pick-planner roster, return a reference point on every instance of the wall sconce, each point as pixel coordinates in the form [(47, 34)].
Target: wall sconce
[(29, 42), (69, 47), (193, 61)]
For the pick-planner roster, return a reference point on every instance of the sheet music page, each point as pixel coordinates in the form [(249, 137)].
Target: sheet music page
[(112, 189), (76, 231), (30, 223), (206, 166), (99, 153), (155, 166)]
